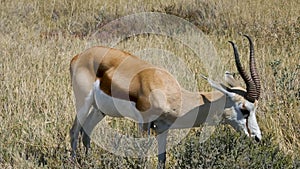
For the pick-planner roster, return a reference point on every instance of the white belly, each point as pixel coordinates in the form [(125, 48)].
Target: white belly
[(115, 107)]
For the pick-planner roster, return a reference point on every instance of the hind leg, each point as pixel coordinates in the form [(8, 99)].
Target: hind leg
[(74, 133), (92, 120), (81, 116)]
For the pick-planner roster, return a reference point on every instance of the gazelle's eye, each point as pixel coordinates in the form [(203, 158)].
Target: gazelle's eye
[(245, 113)]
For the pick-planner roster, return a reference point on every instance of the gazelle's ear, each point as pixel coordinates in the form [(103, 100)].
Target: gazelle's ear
[(218, 87), (226, 87), (228, 77)]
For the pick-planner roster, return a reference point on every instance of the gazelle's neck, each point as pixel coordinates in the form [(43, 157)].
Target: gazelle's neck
[(191, 100), (198, 108)]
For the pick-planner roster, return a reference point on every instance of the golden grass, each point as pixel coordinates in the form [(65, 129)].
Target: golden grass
[(38, 39)]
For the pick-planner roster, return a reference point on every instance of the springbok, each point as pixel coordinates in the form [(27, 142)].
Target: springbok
[(105, 78)]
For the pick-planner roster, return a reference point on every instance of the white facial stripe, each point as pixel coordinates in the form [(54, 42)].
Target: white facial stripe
[(253, 126), (248, 105), (235, 117)]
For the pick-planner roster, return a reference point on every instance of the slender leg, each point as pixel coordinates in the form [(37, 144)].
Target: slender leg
[(149, 128), (81, 116), (143, 124), (92, 120), (140, 128), (162, 143), (74, 133), (144, 128)]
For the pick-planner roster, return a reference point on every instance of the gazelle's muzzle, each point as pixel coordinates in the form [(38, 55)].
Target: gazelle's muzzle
[(252, 127)]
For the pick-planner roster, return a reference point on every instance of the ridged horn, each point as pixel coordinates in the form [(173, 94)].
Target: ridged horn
[(251, 94), (253, 70)]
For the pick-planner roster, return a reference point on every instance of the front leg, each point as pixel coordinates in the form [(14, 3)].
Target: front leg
[(145, 128), (162, 143)]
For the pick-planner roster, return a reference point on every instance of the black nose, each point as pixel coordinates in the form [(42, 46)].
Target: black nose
[(256, 139)]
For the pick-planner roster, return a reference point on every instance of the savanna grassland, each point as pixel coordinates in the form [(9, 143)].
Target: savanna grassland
[(39, 38)]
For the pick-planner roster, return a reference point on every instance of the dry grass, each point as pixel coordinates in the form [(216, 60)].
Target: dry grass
[(38, 39)]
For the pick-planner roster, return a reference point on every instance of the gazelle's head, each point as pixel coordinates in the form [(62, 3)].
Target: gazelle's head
[(241, 104)]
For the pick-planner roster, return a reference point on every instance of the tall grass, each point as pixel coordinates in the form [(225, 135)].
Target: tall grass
[(38, 39)]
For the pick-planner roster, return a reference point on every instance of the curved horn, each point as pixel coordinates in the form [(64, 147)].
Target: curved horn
[(251, 94), (253, 70)]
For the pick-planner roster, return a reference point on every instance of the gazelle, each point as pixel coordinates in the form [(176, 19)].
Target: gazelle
[(115, 83)]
